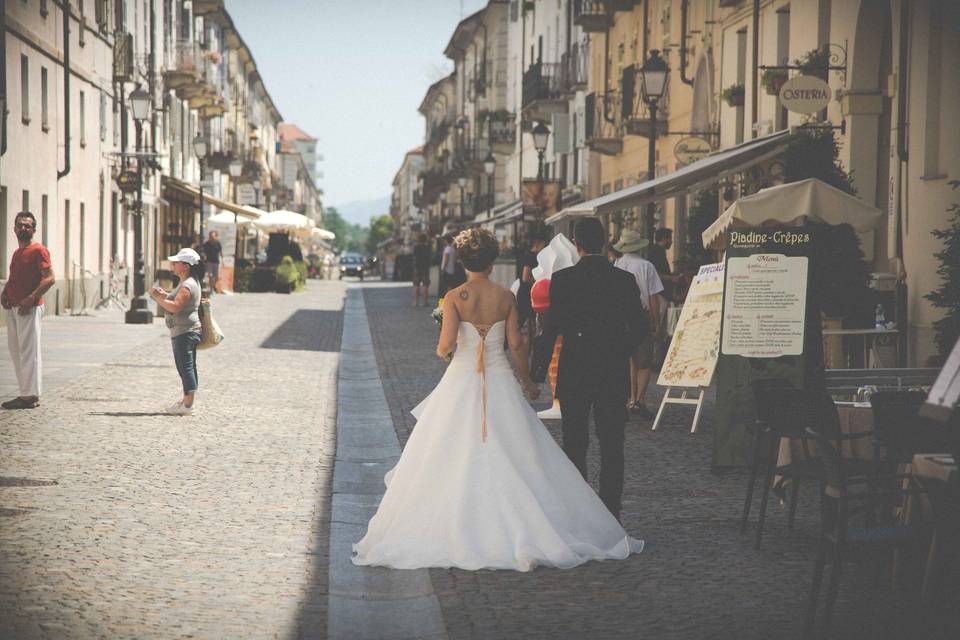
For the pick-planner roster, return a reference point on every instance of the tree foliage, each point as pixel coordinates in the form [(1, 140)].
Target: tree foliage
[(350, 237), (381, 228), (815, 153), (947, 295), (704, 210)]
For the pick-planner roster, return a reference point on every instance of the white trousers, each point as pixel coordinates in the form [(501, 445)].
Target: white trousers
[(23, 338)]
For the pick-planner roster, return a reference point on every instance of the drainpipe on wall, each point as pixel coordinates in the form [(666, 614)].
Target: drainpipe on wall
[(902, 158), (754, 76), (3, 78), (66, 92), (683, 44)]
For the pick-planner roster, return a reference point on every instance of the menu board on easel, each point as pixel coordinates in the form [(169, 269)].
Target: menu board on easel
[(693, 352), (692, 356)]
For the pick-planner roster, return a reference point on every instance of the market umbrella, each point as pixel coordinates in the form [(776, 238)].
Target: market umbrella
[(794, 203), (323, 234), (283, 221)]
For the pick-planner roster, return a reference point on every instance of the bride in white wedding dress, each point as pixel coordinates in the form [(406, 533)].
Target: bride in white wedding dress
[(481, 483)]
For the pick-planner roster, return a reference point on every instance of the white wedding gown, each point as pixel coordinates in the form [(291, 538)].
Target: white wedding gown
[(482, 484)]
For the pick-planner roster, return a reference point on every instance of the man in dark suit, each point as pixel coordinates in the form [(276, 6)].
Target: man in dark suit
[(597, 309)]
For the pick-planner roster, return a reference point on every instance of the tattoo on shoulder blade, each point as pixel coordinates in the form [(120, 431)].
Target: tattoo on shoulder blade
[(464, 295)]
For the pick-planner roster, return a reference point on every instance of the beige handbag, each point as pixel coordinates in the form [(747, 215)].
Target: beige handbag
[(210, 334)]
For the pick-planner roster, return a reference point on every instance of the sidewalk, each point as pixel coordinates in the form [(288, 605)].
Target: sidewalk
[(72, 345), (697, 578), (209, 526)]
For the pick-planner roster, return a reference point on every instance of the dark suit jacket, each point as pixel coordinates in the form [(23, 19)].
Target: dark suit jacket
[(596, 307)]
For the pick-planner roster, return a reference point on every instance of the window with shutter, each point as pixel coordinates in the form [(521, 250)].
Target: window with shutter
[(561, 133), (627, 90)]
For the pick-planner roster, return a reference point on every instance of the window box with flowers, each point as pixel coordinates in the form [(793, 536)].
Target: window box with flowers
[(772, 80), (733, 95)]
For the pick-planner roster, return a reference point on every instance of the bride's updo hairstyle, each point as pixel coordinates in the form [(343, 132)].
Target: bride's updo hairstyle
[(476, 249)]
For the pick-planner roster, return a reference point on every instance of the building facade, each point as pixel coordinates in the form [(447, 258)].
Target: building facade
[(575, 66)]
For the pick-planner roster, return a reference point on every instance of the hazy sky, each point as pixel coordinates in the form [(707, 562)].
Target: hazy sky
[(352, 74)]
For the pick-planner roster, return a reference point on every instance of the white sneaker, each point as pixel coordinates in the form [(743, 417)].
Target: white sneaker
[(180, 410)]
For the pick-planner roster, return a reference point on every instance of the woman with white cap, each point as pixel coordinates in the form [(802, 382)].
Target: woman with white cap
[(183, 320)]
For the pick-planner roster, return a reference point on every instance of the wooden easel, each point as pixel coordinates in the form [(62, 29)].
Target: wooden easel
[(683, 398)]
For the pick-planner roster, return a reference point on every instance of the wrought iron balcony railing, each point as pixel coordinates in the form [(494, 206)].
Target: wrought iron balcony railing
[(603, 123), (591, 15), (575, 67), (542, 81)]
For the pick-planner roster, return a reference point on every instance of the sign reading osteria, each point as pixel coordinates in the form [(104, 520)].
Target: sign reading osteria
[(805, 94)]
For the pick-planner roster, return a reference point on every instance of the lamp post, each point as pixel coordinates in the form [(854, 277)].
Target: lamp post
[(541, 135), (653, 84), (200, 150), (489, 166), (462, 181), (236, 170), (139, 313)]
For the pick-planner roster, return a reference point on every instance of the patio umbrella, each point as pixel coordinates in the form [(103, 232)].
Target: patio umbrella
[(323, 234), (794, 203), (284, 221)]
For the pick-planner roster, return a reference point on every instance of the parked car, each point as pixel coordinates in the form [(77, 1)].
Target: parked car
[(352, 264)]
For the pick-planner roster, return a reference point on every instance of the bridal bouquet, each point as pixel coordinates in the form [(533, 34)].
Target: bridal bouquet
[(437, 314)]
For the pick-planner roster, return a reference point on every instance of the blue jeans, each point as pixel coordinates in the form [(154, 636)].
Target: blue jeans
[(185, 355)]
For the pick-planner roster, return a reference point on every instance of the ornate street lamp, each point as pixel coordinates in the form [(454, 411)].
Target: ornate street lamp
[(140, 103), (236, 170), (653, 84), (489, 166), (139, 313), (200, 150), (462, 181), (541, 134)]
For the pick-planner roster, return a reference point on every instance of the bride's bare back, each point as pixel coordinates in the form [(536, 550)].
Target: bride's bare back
[(483, 304)]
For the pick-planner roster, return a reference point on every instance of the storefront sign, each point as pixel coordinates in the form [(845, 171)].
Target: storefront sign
[(689, 150), (805, 94), (246, 194), (695, 346)]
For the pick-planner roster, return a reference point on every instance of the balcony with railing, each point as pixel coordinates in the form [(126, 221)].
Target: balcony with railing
[(195, 75), (502, 134), (593, 16), (575, 65), (636, 112), (603, 125), (543, 91)]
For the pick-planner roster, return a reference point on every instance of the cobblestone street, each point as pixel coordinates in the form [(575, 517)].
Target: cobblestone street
[(697, 576), (118, 521), (210, 526)]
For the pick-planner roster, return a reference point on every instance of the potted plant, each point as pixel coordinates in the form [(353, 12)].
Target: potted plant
[(947, 296), (772, 80), (814, 63), (733, 95)]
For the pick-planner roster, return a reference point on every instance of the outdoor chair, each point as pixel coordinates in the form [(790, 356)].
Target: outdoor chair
[(899, 432), (785, 412), (847, 492)]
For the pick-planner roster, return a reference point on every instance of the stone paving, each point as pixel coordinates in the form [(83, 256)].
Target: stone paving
[(697, 578), (210, 526)]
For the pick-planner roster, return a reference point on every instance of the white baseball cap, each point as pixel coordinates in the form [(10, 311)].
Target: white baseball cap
[(185, 255)]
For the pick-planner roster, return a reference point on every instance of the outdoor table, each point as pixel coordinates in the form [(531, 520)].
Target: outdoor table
[(939, 466), (868, 335)]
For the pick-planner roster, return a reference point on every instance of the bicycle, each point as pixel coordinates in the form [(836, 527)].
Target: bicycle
[(115, 295)]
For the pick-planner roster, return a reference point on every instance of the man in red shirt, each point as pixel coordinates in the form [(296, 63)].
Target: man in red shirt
[(30, 277)]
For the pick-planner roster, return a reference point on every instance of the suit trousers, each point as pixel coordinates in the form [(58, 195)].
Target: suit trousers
[(610, 417), (23, 339)]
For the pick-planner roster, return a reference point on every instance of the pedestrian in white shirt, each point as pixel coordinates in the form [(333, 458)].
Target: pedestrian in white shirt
[(641, 362)]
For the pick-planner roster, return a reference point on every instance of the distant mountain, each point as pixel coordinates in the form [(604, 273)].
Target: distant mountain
[(360, 211)]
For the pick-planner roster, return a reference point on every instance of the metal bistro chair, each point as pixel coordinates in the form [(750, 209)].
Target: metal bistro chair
[(785, 412), (899, 432), (847, 492)]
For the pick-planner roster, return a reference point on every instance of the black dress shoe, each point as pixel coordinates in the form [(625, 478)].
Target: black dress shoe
[(21, 403)]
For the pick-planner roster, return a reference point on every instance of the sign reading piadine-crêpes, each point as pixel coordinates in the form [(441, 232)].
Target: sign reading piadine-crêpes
[(765, 302)]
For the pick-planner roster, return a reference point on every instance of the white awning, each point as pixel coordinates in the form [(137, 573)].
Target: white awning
[(684, 180), (794, 203)]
